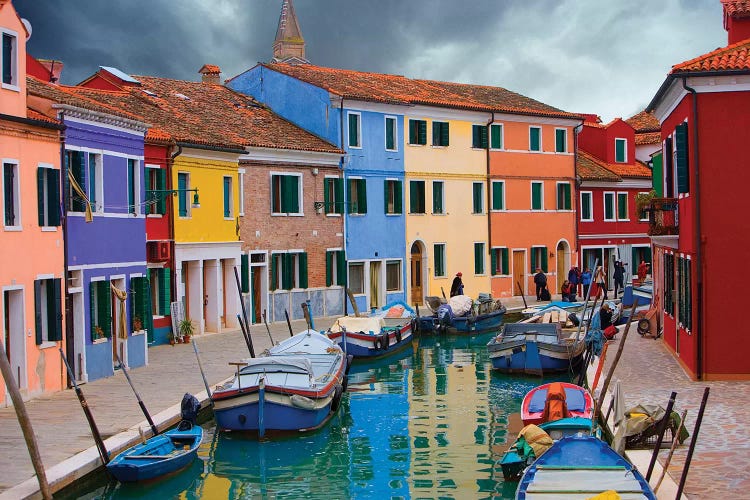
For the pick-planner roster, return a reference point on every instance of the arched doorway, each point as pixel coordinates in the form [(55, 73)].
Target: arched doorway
[(563, 262), (416, 277)]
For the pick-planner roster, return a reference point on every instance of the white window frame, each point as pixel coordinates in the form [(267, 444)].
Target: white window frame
[(624, 149), (138, 209), (241, 190), (346, 191), (557, 194), (590, 204), (395, 132), (47, 208), (646, 218), (540, 250), (432, 198), (614, 206), (499, 260), (231, 197), (332, 196), (359, 264), (99, 186), (531, 196), (148, 168), (400, 275), (565, 134), (445, 265), (15, 84), (359, 130), (18, 223), (188, 205), (540, 139), (502, 137), (484, 257), (300, 194), (492, 196), (483, 211), (617, 206)]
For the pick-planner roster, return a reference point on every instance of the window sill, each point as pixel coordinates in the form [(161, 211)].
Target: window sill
[(333, 215), (439, 214), (158, 316), (610, 220), (138, 333), (357, 215), (184, 217), (49, 229), (392, 150), (10, 86), (438, 146), (13, 228), (498, 210), (100, 341), (229, 218), (417, 213), (394, 291), (497, 149), (154, 216), (623, 220), (477, 213), (417, 145), (587, 220), (47, 344), (393, 215)]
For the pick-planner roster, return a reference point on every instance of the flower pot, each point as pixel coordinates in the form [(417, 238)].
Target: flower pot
[(187, 340)]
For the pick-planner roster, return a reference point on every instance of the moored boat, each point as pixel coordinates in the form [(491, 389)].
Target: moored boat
[(578, 402), (164, 453), (535, 348), (582, 466), (384, 332), (296, 385), (462, 315)]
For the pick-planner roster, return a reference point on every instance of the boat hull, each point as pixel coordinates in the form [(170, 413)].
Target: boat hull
[(552, 357), (159, 456), (578, 400), (372, 345), (278, 412)]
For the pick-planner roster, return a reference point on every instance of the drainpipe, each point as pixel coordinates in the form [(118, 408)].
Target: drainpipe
[(70, 354), (176, 151), (344, 206), (698, 242), (575, 201), (489, 198)]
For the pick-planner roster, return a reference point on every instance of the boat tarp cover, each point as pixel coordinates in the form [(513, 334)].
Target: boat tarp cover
[(353, 324), (460, 304), (573, 397), (639, 419), (555, 406), (551, 483), (277, 364), (533, 441)]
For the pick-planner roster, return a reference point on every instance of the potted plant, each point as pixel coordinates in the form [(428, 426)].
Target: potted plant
[(98, 332), (186, 329), (170, 336)]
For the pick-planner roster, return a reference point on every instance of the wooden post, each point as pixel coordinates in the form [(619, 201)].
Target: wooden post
[(525, 305), (617, 357), (25, 422), (203, 374), (354, 303), (267, 329), (154, 430), (246, 336), (693, 440), (244, 312), (288, 323), (660, 435), (675, 440)]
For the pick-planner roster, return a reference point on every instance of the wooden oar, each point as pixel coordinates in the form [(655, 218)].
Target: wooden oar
[(617, 357), (675, 440), (288, 323), (244, 313), (520, 290), (137, 396), (203, 374), (267, 329), (693, 440)]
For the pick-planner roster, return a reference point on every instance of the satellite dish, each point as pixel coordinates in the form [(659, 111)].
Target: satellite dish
[(27, 25)]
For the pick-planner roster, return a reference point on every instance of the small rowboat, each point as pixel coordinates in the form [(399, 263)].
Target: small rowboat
[(578, 400), (582, 466), (169, 452), (371, 336)]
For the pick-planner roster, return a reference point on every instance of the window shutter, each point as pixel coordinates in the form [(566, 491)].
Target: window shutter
[(399, 209), (56, 325), (435, 133), (7, 58), (444, 134), (688, 273), (476, 140), (341, 268), (181, 194), (585, 206), (533, 260), (287, 278), (560, 141), (497, 196), (477, 198), (619, 151), (361, 196), (227, 196), (245, 272), (148, 313), (274, 272), (536, 196), (681, 158), (338, 196), (422, 133), (478, 258), (165, 291), (92, 309), (50, 320), (79, 205), (567, 197), (290, 197), (390, 140), (493, 261), (496, 137), (135, 302), (53, 197), (329, 268), (303, 270), (131, 186), (544, 259), (437, 198), (506, 267), (483, 137), (387, 192), (40, 181), (622, 206), (104, 307), (352, 204), (327, 196), (413, 132), (161, 198), (413, 197), (353, 139), (534, 139), (38, 310)]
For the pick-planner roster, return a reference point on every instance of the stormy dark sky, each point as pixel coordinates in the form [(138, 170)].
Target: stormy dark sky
[(595, 56)]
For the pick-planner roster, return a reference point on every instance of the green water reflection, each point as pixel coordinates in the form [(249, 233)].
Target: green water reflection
[(431, 421)]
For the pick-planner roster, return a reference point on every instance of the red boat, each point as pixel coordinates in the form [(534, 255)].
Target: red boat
[(554, 401)]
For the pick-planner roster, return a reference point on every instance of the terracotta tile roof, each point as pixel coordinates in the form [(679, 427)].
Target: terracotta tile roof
[(398, 89), (590, 168), (36, 115), (735, 57), (155, 134), (207, 114), (647, 138), (736, 8), (637, 170), (644, 122), (210, 69)]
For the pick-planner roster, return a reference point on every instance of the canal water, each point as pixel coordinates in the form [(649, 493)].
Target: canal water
[(431, 421)]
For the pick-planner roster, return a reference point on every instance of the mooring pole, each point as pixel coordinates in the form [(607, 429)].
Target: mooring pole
[(138, 397), (660, 435), (25, 422), (693, 440), (244, 312)]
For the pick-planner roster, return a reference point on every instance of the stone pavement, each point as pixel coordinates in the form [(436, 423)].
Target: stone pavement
[(648, 373)]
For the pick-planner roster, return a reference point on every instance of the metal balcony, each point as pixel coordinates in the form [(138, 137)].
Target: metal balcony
[(663, 217)]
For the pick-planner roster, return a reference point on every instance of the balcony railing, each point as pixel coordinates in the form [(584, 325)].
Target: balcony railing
[(663, 217)]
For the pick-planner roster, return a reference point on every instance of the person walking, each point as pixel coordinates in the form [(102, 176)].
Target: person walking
[(619, 276), (457, 287), (574, 276), (540, 280), (586, 281), (600, 278)]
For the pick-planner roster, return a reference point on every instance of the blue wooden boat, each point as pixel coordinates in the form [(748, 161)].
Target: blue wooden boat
[(384, 332), (535, 348), (162, 454), (486, 315), (582, 466), (517, 458), (295, 387)]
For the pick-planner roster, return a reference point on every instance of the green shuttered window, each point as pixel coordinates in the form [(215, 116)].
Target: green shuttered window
[(477, 198), (48, 310), (48, 196), (563, 196), (100, 309), (681, 158), (245, 273), (141, 317), (333, 195), (289, 270), (561, 140), (479, 136), (496, 136), (499, 263), (132, 165), (285, 194), (438, 197), (440, 134), (357, 196), (535, 139), (393, 197), (335, 268), (416, 197), (609, 206), (478, 258), (538, 259), (622, 206), (536, 196), (75, 162), (439, 253), (586, 206), (498, 195), (390, 134), (227, 197), (182, 183), (354, 131), (621, 150), (418, 132)]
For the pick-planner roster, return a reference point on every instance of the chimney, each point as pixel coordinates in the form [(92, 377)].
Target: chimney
[(736, 20), (54, 68), (210, 73)]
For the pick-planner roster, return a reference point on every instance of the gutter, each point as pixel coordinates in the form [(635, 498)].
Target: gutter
[(31, 121), (489, 198), (69, 327), (176, 151), (578, 182), (345, 212), (698, 237), (206, 147)]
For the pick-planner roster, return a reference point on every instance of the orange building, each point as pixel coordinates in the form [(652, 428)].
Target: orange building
[(31, 238)]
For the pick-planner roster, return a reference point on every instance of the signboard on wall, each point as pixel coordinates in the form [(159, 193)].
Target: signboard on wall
[(177, 311)]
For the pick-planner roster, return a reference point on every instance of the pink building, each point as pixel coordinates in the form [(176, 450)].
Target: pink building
[(31, 238)]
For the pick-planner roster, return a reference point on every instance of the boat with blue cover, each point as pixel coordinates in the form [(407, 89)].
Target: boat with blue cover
[(582, 466), (164, 453), (383, 332), (295, 386), (535, 348), (522, 453)]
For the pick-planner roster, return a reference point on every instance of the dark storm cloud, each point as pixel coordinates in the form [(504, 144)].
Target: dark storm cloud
[(605, 57)]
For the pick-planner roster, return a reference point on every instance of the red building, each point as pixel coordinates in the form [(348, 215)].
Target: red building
[(699, 227), (610, 227)]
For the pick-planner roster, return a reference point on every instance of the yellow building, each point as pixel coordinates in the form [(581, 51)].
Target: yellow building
[(446, 182)]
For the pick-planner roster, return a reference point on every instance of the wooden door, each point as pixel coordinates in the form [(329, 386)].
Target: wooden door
[(519, 268), (416, 274)]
